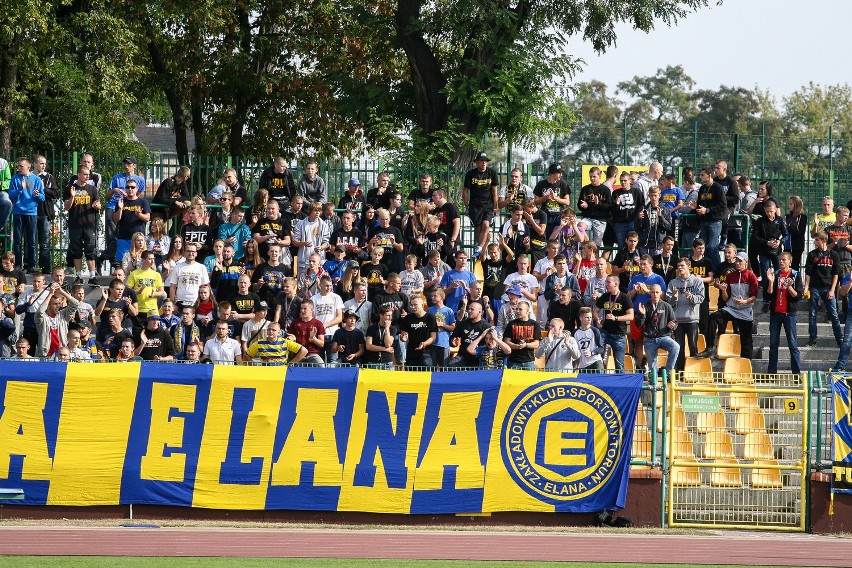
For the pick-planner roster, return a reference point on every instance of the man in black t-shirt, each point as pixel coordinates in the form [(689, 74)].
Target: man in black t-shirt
[(379, 347), (424, 191), (278, 181), (348, 341), (155, 343), (348, 237), (131, 215), (479, 195), (242, 303), (272, 228), (419, 329), (448, 214), (615, 312), (465, 333), (523, 336), (80, 200), (553, 194)]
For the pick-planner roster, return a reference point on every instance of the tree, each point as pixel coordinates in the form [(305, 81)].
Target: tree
[(808, 115), (469, 59)]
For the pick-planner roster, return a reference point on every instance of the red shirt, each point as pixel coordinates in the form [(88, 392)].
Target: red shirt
[(302, 331), (585, 273), (783, 282)]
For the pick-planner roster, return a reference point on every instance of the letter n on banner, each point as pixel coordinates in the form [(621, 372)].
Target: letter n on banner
[(387, 421), (450, 474), (30, 402), (841, 467)]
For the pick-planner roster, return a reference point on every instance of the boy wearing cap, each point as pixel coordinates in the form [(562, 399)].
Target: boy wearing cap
[(253, 329), (738, 292), (479, 195), (348, 341), (353, 198), (336, 266), (553, 194), (154, 343)]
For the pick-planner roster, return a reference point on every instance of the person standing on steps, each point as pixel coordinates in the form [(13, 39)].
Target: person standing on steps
[(784, 287)]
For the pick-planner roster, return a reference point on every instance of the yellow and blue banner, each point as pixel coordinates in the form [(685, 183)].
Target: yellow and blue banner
[(841, 436), (302, 438)]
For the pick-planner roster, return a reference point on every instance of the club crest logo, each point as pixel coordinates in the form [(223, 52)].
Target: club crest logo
[(561, 440)]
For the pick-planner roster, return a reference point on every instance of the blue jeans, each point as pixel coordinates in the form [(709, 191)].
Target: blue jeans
[(788, 321), (710, 233), (326, 352), (621, 230), (419, 358), (528, 366), (846, 346), (5, 209), (668, 345), (43, 230), (830, 306), (25, 228), (618, 343)]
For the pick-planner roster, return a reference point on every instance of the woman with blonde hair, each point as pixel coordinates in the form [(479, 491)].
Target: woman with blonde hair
[(346, 286), (252, 258), (158, 241), (132, 259)]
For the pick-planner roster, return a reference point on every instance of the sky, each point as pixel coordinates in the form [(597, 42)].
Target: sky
[(777, 45)]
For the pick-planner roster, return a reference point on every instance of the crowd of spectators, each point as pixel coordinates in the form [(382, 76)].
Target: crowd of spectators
[(382, 279)]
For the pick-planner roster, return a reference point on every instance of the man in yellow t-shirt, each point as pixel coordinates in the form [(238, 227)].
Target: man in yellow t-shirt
[(147, 283), (825, 218), (275, 350)]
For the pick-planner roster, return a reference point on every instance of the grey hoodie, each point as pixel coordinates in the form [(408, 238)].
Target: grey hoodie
[(686, 310), (313, 190)]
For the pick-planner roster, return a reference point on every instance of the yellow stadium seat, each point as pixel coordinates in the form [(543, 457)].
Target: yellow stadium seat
[(758, 446), (718, 445), (629, 364), (610, 362), (714, 298), (686, 475), (662, 359), (738, 400), (750, 419), (763, 478), (730, 327), (701, 343), (726, 476), (539, 363), (729, 346), (738, 370), (709, 422), (697, 370), (681, 445)]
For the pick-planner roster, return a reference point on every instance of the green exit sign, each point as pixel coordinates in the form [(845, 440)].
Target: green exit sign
[(700, 403)]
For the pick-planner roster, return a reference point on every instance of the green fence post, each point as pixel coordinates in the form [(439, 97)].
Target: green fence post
[(736, 152), (763, 149), (830, 162), (625, 159), (695, 144)]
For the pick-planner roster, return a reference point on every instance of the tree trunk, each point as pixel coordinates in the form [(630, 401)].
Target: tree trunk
[(8, 84), (173, 96), (426, 74)]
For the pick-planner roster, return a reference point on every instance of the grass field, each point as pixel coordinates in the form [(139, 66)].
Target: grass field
[(192, 562)]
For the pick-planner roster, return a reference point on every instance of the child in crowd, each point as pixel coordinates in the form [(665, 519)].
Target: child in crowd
[(85, 310), (412, 279), (374, 272), (446, 320)]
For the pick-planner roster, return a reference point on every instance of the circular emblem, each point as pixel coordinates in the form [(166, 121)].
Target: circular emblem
[(561, 440)]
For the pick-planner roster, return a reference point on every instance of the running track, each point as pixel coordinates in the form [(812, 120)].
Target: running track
[(716, 548)]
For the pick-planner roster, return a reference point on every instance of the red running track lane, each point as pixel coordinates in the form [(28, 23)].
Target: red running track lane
[(727, 548)]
